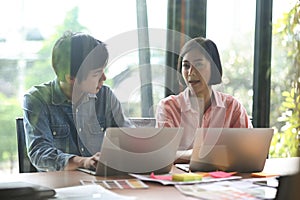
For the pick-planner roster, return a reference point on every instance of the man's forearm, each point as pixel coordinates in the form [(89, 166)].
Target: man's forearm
[(75, 162)]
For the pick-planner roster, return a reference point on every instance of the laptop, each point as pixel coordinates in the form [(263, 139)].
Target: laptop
[(231, 149), (138, 150)]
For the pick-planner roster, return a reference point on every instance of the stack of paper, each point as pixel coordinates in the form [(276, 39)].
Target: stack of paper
[(167, 179), (87, 192)]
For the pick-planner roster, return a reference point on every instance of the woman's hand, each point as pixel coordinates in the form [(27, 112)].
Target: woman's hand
[(183, 156)]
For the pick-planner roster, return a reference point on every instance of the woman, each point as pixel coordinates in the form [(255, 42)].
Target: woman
[(199, 105)]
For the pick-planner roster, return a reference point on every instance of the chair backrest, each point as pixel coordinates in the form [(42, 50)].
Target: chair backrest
[(24, 162), (143, 122)]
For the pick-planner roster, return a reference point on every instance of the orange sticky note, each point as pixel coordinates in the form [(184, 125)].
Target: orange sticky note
[(262, 175)]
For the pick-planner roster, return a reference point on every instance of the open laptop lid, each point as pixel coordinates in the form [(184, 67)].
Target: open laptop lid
[(231, 149), (138, 150)]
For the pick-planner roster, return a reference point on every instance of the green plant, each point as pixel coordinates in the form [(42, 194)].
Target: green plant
[(41, 71), (9, 110), (286, 140)]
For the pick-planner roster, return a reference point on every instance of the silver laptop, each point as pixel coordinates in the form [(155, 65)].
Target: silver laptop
[(138, 150), (231, 149)]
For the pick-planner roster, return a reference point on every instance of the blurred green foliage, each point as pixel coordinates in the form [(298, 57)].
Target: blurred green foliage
[(36, 72), (286, 139), (285, 142), (41, 70), (9, 109)]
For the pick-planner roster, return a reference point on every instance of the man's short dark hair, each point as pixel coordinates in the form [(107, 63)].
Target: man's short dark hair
[(74, 51)]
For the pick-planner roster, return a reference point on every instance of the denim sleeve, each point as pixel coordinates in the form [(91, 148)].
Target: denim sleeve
[(39, 137)]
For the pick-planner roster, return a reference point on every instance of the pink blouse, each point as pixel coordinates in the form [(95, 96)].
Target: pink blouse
[(176, 111)]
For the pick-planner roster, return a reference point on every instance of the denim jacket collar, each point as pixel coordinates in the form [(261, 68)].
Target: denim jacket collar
[(58, 97)]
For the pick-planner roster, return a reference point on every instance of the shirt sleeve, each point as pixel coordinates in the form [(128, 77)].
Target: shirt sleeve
[(240, 118), (166, 114), (115, 116), (39, 139)]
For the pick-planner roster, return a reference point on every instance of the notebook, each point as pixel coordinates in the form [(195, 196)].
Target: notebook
[(138, 150), (25, 190), (231, 149)]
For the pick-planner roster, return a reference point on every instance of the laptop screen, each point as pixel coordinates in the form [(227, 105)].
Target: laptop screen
[(231, 149), (139, 150)]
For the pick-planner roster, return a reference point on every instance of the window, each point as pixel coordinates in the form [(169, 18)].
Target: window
[(29, 29), (231, 26)]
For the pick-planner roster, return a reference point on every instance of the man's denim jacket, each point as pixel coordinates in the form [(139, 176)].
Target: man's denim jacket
[(56, 130)]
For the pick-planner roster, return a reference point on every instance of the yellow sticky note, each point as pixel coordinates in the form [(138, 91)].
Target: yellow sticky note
[(186, 177)]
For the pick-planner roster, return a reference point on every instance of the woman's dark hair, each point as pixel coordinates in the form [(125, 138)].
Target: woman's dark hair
[(210, 51), (74, 51)]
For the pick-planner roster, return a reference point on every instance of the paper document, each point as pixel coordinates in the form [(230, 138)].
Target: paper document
[(170, 182), (87, 192), (238, 190), (117, 184)]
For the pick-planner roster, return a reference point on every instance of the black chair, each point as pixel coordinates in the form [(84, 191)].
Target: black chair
[(25, 165), (288, 188)]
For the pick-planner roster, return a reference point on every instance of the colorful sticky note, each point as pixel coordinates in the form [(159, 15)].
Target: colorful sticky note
[(186, 177), (161, 177), (220, 174), (203, 174), (263, 175)]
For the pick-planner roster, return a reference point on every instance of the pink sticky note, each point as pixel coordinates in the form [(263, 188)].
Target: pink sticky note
[(163, 177), (220, 174)]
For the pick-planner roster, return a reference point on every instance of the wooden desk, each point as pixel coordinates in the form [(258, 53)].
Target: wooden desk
[(155, 191)]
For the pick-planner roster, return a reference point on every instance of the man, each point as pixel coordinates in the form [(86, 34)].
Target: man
[(65, 119)]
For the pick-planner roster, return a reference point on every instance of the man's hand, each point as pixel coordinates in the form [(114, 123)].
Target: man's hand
[(83, 162), (91, 162)]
